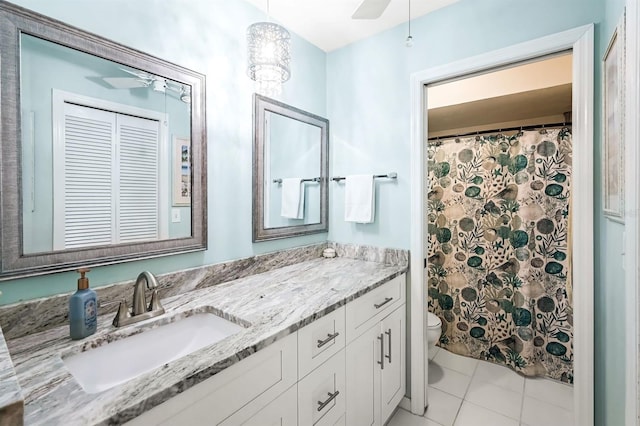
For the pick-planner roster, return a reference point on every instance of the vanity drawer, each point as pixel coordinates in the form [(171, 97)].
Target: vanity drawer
[(321, 395), (370, 308), (252, 383), (283, 411), (320, 340)]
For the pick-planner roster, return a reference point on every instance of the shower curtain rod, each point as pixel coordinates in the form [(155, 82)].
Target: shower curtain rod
[(506, 129)]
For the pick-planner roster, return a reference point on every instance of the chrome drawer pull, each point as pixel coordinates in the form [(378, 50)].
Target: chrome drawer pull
[(388, 333), (381, 362), (332, 396), (329, 338), (386, 300)]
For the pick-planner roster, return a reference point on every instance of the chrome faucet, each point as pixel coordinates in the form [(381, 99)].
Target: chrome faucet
[(140, 310), (139, 298)]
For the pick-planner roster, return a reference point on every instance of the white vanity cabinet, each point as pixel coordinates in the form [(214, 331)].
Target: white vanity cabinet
[(375, 359), (320, 340), (346, 368), (393, 375), (283, 411), (238, 391), (369, 309), (321, 363), (321, 395)]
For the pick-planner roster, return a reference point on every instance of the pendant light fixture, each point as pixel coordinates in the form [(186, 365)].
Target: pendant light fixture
[(269, 56), (409, 41)]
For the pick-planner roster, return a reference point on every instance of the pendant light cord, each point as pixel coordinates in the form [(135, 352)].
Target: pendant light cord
[(409, 17), (409, 40)]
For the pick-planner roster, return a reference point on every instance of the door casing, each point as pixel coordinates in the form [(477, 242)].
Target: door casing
[(581, 41)]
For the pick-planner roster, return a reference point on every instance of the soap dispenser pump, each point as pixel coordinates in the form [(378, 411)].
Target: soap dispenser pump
[(83, 309)]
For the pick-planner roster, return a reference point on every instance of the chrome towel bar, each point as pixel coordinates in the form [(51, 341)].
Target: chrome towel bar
[(303, 180), (392, 175)]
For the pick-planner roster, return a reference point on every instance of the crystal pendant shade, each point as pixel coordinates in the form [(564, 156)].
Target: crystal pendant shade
[(269, 56)]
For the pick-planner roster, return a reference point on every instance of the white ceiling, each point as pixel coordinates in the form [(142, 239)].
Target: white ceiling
[(550, 72), (532, 93), (328, 23), (541, 106)]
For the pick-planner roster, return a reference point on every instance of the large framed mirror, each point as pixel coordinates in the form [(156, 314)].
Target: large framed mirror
[(290, 171), (103, 150)]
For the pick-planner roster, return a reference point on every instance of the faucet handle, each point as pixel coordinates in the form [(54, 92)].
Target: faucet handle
[(123, 313), (155, 304)]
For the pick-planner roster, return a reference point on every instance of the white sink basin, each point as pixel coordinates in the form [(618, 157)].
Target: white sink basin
[(117, 362)]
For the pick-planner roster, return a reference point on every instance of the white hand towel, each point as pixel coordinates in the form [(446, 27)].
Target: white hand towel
[(292, 206), (359, 200)]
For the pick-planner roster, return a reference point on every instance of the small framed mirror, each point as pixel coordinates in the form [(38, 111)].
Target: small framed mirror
[(290, 171), (103, 150)]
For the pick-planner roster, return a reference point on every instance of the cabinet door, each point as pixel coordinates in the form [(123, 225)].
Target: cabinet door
[(342, 421), (392, 384), (281, 412), (247, 385), (363, 378), (321, 395)]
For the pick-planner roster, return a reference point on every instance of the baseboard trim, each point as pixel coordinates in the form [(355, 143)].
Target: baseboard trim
[(405, 404)]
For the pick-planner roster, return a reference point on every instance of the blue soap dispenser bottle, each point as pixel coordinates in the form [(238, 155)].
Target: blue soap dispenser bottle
[(83, 309)]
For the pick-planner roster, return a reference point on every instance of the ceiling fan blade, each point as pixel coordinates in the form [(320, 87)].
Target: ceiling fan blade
[(140, 74), (370, 9), (125, 82)]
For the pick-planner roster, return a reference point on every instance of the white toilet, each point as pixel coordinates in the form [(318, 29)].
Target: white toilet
[(434, 329)]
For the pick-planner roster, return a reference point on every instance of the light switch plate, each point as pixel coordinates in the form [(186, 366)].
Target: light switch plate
[(175, 216)]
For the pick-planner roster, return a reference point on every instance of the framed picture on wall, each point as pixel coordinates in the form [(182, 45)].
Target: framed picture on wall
[(613, 114), (181, 171)]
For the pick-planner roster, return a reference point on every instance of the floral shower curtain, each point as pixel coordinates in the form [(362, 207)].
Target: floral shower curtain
[(499, 273)]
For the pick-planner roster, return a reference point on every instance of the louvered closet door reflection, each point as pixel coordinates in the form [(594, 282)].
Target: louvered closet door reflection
[(138, 142), (88, 179), (107, 177)]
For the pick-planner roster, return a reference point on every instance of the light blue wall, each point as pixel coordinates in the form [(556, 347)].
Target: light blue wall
[(294, 152), (207, 36), (368, 95), (610, 319), (368, 100), (368, 103)]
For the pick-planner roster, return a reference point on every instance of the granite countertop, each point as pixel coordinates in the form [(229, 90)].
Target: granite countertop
[(270, 306), (11, 401)]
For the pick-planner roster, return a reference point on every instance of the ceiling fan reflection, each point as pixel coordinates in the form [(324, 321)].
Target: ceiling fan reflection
[(145, 80)]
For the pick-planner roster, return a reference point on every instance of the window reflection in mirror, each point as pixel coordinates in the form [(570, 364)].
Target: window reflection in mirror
[(292, 151), (105, 151)]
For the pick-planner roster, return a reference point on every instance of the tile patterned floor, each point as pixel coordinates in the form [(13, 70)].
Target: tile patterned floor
[(468, 392)]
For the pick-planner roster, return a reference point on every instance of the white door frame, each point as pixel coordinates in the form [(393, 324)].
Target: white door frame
[(580, 40), (632, 203)]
